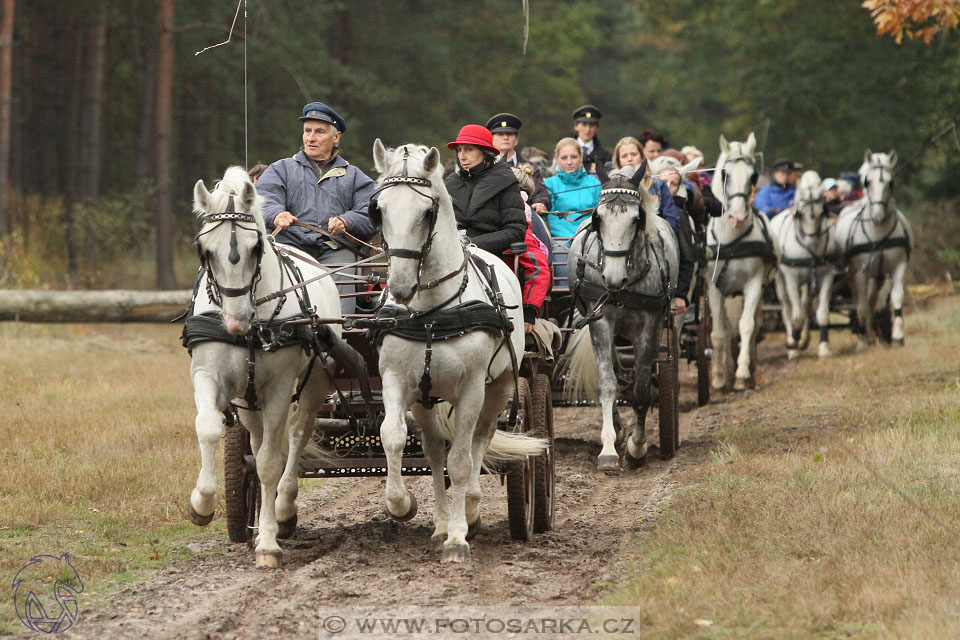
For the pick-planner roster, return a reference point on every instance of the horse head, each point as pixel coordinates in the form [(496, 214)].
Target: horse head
[(230, 245), (809, 202), (411, 205), (876, 176), (738, 176), (624, 223)]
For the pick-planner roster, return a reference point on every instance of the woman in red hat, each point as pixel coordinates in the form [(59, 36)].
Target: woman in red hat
[(486, 197)]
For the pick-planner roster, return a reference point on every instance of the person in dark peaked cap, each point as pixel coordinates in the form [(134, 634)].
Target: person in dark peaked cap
[(318, 187), (586, 121), (505, 129)]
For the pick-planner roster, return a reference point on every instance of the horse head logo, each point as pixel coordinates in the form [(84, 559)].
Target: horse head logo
[(32, 588)]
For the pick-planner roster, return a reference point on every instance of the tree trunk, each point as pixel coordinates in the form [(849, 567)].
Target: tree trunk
[(91, 108), (6, 103), (164, 124), (71, 156), (146, 85), (92, 306)]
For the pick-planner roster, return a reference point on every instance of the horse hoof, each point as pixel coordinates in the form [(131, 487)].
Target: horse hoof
[(268, 559), (742, 384), (629, 462), (197, 519), (455, 553), (439, 538), (409, 515), (287, 527), (608, 463), (473, 529), (897, 342)]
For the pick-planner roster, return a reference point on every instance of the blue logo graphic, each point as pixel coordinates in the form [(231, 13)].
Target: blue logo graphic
[(31, 594)]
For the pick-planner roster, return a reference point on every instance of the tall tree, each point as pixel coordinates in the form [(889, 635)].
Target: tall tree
[(6, 101), (163, 219)]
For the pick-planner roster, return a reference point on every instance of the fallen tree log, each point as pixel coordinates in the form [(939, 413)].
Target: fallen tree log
[(117, 305)]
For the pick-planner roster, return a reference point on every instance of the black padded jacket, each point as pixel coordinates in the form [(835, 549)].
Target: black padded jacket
[(487, 203)]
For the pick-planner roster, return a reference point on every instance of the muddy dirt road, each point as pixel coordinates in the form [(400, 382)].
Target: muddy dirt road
[(346, 552)]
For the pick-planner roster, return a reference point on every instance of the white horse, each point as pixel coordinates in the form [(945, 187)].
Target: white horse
[(431, 270), (241, 265), (745, 259), (876, 240), (623, 265), (808, 249)]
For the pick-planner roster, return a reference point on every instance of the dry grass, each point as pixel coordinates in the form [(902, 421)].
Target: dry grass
[(830, 507), (97, 445)]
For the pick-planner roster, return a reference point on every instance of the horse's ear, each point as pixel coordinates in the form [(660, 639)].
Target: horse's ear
[(724, 145), (691, 166), (432, 160), (248, 195), (893, 158), (200, 196), (379, 156), (638, 175), (751, 143), (867, 156)]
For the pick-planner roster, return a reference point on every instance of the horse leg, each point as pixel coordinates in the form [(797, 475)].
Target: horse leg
[(435, 450), (302, 426), (720, 335), (208, 396), (270, 465), (794, 311), (786, 311), (804, 318), (752, 294), (646, 352), (460, 467), (401, 505), (823, 313), (494, 400), (601, 335), (896, 300)]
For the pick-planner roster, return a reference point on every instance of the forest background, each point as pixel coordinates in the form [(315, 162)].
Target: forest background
[(113, 118)]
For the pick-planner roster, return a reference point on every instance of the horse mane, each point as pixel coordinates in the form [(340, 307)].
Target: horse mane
[(235, 179), (650, 224)]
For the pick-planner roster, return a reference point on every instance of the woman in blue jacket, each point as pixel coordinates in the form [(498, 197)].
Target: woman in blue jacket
[(573, 193)]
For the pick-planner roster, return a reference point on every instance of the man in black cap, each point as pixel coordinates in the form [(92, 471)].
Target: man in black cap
[(505, 128), (586, 121), (318, 187), (779, 194)]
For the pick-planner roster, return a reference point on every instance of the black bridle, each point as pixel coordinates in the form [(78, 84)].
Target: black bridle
[(215, 290), (728, 197), (866, 184), (413, 254), (627, 196)]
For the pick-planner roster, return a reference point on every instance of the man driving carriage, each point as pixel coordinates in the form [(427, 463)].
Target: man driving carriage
[(318, 187)]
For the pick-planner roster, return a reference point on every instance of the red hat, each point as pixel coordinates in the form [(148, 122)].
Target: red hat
[(477, 135)]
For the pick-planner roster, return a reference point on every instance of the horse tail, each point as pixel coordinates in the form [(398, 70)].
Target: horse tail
[(578, 368), (504, 446)]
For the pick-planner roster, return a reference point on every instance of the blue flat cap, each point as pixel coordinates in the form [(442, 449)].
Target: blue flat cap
[(323, 113)]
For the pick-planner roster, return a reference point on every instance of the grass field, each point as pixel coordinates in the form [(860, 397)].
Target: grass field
[(830, 508)]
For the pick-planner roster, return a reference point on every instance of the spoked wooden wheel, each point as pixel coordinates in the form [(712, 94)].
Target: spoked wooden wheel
[(669, 399), (242, 486), (521, 483), (703, 357), (544, 474)]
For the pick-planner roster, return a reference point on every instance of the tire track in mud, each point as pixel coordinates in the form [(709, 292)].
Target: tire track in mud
[(347, 552)]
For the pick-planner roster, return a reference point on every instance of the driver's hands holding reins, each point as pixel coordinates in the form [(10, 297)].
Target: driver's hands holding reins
[(678, 306), (283, 220)]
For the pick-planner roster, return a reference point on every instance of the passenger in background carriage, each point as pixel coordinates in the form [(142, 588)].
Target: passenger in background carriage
[(534, 264), (574, 194), (505, 129), (691, 153), (832, 201), (852, 178), (652, 143), (586, 121), (256, 171), (779, 194), (318, 187), (629, 153)]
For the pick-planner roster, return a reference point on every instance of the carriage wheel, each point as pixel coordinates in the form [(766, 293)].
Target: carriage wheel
[(703, 359), (668, 408), (242, 486), (544, 503), (521, 486)]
